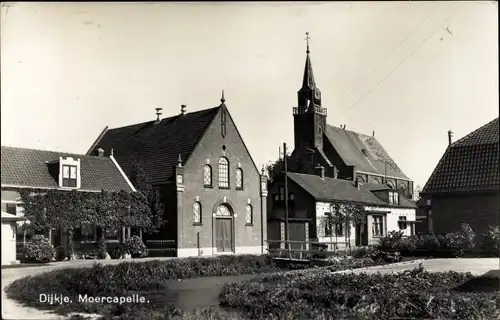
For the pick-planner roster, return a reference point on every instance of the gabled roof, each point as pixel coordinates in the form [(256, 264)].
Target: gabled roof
[(469, 164), (363, 151), (330, 189), (23, 167), (157, 146)]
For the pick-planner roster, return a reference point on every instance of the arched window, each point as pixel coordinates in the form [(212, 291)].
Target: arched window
[(207, 176), (196, 212), (391, 184), (239, 178), (248, 214), (223, 211), (223, 173)]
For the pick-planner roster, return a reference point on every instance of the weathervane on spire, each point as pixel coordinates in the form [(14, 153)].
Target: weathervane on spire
[(307, 41)]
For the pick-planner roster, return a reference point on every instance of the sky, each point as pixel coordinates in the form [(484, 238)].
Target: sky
[(411, 71)]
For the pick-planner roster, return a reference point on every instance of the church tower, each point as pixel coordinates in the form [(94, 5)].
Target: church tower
[(309, 117)]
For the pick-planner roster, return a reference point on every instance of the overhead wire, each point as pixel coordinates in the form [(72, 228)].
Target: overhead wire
[(404, 60), (387, 57)]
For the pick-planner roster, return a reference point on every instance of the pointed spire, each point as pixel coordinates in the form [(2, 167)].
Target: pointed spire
[(222, 99), (308, 80)]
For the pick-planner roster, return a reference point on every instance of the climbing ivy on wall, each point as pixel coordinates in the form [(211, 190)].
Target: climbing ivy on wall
[(72, 209)]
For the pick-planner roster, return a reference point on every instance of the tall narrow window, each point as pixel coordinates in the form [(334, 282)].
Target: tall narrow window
[(197, 212), (223, 123), (402, 223), (207, 176), (249, 214), (282, 193), (69, 174), (396, 198), (378, 226), (223, 173), (393, 197), (239, 178), (328, 224)]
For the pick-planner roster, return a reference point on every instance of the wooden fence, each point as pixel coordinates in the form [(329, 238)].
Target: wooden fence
[(300, 250), (161, 248)]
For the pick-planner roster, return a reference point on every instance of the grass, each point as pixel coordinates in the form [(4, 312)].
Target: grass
[(321, 294), (150, 279)]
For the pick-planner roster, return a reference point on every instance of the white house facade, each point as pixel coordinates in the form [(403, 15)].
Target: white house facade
[(380, 221)]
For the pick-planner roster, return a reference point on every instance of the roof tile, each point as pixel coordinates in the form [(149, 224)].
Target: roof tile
[(330, 189), (363, 151), (28, 167), (157, 145), (469, 164)]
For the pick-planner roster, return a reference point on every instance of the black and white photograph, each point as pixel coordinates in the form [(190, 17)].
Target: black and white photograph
[(250, 160)]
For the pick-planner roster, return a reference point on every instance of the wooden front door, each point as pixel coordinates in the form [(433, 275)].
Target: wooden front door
[(224, 235), (361, 234)]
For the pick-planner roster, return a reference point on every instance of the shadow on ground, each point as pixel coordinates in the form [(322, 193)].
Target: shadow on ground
[(488, 282)]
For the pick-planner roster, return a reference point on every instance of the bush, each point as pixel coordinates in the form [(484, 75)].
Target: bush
[(39, 249), (117, 252), (60, 253), (386, 257), (490, 241), (450, 245), (364, 252), (136, 247), (145, 277), (391, 241), (314, 294)]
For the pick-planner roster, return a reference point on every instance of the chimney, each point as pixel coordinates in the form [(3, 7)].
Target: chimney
[(320, 171), (450, 135), (183, 109), (99, 152), (158, 114)]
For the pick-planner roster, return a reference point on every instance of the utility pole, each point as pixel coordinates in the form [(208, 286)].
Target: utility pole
[(286, 195)]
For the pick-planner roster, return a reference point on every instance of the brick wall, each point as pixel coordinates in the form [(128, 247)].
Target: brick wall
[(478, 210), (302, 207), (209, 150)]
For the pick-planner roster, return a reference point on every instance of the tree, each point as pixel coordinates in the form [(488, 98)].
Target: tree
[(69, 210), (140, 179), (416, 192), (346, 215), (277, 168)]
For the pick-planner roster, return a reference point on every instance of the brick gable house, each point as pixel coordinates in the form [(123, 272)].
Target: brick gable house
[(343, 153), (464, 187), (51, 170), (214, 195)]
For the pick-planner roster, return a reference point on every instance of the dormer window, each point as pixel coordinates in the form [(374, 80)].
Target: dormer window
[(69, 173), (393, 197)]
